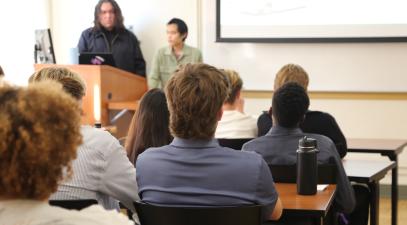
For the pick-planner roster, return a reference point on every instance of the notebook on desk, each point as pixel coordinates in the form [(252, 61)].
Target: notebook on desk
[(92, 58)]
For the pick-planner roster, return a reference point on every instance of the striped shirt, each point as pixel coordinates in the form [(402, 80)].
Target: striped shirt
[(101, 171)]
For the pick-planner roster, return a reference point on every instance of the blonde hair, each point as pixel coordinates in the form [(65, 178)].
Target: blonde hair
[(291, 73), (235, 85), (195, 95), (40, 132), (71, 81)]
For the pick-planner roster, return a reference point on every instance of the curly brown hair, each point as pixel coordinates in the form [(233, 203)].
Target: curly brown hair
[(195, 95), (40, 132), (291, 73)]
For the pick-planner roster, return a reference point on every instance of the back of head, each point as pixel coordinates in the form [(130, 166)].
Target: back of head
[(181, 26), (291, 73), (290, 103), (71, 81), (40, 132), (236, 85), (149, 126), (195, 94)]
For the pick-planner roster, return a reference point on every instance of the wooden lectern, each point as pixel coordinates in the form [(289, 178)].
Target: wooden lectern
[(115, 86)]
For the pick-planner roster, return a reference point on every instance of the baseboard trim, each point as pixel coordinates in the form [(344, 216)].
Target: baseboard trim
[(335, 95)]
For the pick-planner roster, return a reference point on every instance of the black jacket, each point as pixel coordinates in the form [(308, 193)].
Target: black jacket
[(125, 49), (315, 122)]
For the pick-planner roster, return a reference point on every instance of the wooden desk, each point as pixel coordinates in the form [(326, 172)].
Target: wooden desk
[(316, 206), (385, 147), (370, 173)]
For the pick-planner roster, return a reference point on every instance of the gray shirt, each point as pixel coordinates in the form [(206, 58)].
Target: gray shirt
[(202, 173), (279, 147), (101, 171)]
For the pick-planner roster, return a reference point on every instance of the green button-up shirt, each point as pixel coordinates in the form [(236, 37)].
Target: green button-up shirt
[(165, 63)]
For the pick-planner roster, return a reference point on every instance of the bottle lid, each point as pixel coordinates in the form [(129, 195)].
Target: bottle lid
[(307, 143)]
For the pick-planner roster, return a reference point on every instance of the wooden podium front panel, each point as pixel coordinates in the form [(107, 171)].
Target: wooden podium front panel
[(91, 75), (119, 86), (115, 85)]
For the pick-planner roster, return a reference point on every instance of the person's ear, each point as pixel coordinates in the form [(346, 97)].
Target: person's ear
[(184, 36), (238, 94), (302, 119)]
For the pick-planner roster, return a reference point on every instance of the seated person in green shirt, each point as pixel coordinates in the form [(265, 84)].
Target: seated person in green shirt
[(168, 58)]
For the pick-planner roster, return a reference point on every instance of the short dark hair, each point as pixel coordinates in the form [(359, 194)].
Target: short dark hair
[(181, 26), (290, 103), (117, 12)]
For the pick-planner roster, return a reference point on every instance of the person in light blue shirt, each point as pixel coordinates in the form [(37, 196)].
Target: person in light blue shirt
[(194, 170)]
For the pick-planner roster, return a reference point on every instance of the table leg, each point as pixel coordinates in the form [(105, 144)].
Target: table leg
[(394, 193), (374, 203)]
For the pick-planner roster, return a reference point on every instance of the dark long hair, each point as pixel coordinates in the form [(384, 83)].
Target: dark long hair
[(117, 13), (149, 126)]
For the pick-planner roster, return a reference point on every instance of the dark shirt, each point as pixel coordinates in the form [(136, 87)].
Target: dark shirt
[(202, 173), (123, 44), (279, 147), (315, 122)]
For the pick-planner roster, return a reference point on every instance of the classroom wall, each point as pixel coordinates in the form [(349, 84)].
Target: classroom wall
[(365, 67), (17, 38)]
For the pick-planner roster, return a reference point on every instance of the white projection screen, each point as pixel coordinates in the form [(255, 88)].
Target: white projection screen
[(311, 21)]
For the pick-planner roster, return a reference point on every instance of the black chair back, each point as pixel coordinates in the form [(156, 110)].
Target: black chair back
[(171, 215), (233, 143), (288, 173), (73, 204)]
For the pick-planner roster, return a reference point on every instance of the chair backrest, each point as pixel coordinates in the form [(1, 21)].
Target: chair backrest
[(288, 173), (179, 215), (233, 143), (73, 204)]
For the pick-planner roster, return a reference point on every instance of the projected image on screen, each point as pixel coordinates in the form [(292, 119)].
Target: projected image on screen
[(251, 19)]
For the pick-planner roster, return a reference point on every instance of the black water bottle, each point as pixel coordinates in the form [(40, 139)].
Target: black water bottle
[(307, 169)]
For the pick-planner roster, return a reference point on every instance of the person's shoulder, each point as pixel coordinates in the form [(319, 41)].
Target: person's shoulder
[(247, 158), (97, 138), (250, 145), (153, 152), (323, 142), (320, 115), (88, 32), (193, 49)]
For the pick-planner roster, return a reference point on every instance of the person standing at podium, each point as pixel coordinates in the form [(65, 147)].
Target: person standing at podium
[(108, 35), (168, 58)]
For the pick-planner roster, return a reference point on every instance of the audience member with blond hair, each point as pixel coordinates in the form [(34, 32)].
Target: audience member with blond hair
[(191, 170), (102, 170), (36, 147), (234, 123), (314, 121)]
